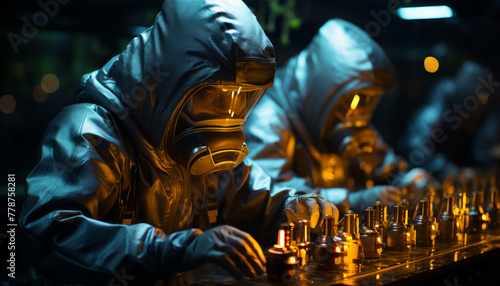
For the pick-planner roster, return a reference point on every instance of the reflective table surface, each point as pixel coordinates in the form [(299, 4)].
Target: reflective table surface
[(473, 261)]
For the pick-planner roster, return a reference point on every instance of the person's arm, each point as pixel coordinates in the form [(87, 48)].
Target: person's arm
[(245, 201), (72, 193), (395, 171), (271, 143), (71, 197)]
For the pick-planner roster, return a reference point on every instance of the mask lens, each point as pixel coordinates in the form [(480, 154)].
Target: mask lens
[(213, 102), (357, 106)]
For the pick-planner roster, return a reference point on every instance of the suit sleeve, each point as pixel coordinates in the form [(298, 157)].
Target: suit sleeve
[(70, 196), (272, 143), (246, 202)]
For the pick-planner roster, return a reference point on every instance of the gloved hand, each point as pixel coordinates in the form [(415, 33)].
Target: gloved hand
[(311, 207), (360, 200), (234, 250)]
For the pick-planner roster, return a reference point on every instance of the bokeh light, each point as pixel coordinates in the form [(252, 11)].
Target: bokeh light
[(7, 104), (431, 64), (50, 83), (483, 97), (39, 94)]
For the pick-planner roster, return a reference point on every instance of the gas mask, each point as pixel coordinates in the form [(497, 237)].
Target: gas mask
[(351, 139), (208, 135)]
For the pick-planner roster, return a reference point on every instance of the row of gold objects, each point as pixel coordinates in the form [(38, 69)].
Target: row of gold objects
[(346, 245)]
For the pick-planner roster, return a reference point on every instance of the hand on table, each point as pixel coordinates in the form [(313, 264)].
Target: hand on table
[(234, 250)]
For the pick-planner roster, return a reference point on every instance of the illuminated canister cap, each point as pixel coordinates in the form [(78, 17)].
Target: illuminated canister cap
[(303, 232), (424, 208), (370, 217), (329, 226), (351, 223), (380, 213), (285, 235)]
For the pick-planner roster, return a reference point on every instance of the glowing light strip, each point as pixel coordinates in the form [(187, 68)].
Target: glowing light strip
[(425, 12), (281, 238), (355, 102)]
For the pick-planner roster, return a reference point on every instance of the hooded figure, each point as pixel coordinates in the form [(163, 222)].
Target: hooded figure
[(312, 128), (150, 145), (458, 126)]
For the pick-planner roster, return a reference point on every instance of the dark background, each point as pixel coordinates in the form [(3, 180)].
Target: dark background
[(82, 35)]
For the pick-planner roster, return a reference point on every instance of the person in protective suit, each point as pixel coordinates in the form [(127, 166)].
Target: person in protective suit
[(136, 178), (312, 128), (458, 127)]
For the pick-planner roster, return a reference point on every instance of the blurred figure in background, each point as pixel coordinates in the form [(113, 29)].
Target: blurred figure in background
[(458, 126), (312, 129)]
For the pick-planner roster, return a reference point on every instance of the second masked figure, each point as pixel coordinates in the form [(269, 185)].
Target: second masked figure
[(312, 129)]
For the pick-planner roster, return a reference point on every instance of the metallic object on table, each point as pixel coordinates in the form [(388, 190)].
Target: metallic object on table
[(282, 260), (461, 213), (380, 223), (426, 227), (492, 208), (349, 241), (325, 248), (303, 241), (370, 238), (407, 222), (447, 222), (432, 198), (399, 237), (478, 218)]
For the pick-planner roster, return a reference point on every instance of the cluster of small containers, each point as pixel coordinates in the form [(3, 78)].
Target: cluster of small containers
[(345, 246)]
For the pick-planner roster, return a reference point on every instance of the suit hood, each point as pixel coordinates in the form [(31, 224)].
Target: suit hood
[(191, 43), (340, 59)]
